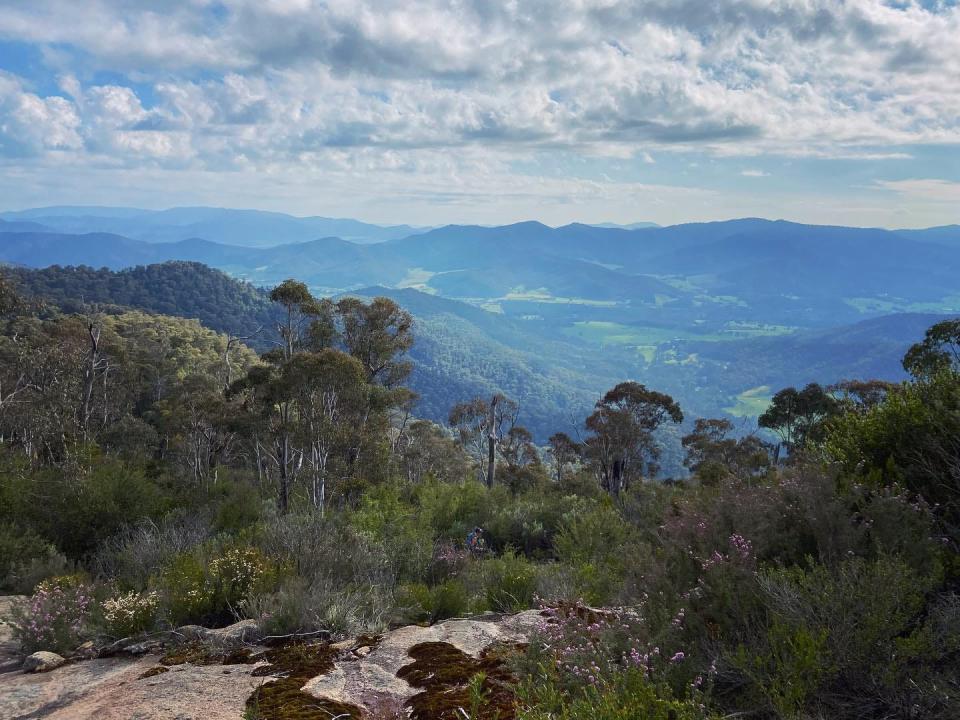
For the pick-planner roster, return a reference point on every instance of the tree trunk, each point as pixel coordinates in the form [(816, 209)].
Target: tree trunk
[(492, 441), (90, 376)]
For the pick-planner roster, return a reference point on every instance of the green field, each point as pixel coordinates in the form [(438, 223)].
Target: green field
[(751, 403), (949, 304), (646, 338)]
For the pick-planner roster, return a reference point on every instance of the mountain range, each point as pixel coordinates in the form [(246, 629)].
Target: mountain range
[(718, 314)]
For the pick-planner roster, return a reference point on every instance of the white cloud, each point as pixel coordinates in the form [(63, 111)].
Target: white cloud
[(31, 125), (927, 190), (394, 86), (754, 173)]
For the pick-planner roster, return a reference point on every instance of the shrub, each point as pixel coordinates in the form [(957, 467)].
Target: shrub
[(328, 551), (81, 511), (587, 646), (509, 582), (237, 572), (26, 559), (299, 606), (625, 696), (212, 593), (130, 613), (140, 551), (845, 637), (433, 604), (187, 595), (57, 616)]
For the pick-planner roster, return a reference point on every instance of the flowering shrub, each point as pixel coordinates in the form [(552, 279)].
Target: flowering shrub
[(588, 646), (237, 572), (213, 594), (56, 616), (130, 613)]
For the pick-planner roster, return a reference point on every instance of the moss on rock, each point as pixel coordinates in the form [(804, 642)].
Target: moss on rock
[(452, 680)]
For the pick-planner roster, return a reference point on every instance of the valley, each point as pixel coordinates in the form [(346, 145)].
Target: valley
[(720, 315)]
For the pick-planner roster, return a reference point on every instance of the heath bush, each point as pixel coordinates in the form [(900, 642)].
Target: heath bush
[(57, 616)]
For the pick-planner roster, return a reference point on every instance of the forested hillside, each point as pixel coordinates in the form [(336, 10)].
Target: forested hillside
[(184, 289), (463, 350), (155, 473)]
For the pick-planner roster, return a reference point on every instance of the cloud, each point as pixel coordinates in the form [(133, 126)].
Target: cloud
[(754, 173), (377, 86), (927, 190), (32, 125)]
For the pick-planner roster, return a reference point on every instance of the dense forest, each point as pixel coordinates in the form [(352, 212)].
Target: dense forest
[(157, 471)]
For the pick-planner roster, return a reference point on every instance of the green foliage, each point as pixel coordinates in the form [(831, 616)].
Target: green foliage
[(26, 558), (447, 600), (198, 590), (626, 696), (509, 581), (187, 289), (788, 672), (79, 509)]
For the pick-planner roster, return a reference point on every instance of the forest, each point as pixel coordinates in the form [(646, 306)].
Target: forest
[(157, 471)]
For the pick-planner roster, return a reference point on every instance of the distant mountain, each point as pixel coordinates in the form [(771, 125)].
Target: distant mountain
[(705, 311), (248, 228), (698, 276), (945, 235), (16, 226), (629, 226)]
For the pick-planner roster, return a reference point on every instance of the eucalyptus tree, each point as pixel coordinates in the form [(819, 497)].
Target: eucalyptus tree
[(622, 445)]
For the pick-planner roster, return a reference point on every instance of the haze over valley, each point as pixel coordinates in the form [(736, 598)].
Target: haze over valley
[(720, 315)]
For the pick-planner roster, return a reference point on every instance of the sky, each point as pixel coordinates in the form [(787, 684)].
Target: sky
[(428, 112)]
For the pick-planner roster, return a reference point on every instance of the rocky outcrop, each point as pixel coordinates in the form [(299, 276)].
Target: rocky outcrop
[(370, 680), (362, 673)]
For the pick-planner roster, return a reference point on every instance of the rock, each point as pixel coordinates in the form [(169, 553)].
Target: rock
[(42, 661), (364, 674), (86, 651), (142, 648), (240, 633), (189, 633), (370, 679)]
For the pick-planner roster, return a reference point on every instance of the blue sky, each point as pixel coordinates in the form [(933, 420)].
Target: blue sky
[(430, 112)]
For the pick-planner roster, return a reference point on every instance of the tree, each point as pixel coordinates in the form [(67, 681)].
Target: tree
[(480, 425), (939, 351), (564, 450), (518, 449), (331, 394), (378, 334), (426, 450), (622, 445), (300, 307), (861, 395), (712, 454), (798, 416)]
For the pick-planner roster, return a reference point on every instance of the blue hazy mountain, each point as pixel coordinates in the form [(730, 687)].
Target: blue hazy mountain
[(718, 313), (254, 228)]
